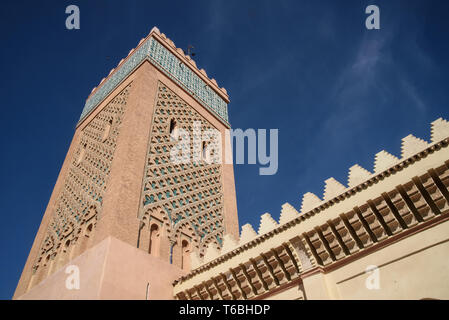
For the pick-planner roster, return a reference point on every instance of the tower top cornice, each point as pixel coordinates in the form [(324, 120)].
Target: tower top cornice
[(161, 52)]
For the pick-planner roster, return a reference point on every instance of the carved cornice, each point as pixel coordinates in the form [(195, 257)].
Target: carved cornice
[(163, 54)]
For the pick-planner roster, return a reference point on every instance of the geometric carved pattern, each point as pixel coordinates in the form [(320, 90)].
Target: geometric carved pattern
[(169, 64), (81, 197), (189, 195), (189, 80)]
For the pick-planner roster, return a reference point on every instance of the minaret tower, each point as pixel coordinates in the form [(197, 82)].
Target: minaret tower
[(122, 214)]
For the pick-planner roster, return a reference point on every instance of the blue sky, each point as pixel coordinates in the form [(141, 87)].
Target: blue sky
[(337, 92)]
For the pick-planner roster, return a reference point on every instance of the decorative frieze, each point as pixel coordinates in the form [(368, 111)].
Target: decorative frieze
[(188, 196), (167, 62), (80, 200)]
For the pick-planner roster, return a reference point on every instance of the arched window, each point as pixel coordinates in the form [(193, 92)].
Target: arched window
[(172, 126), (47, 260), (154, 240), (185, 261), (107, 130), (66, 246), (81, 154), (174, 254), (204, 155)]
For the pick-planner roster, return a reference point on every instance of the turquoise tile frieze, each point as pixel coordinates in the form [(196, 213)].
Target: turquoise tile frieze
[(169, 64)]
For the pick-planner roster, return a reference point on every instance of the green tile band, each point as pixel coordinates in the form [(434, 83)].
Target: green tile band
[(170, 65)]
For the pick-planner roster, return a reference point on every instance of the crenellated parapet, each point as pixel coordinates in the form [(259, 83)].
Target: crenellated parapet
[(401, 197), (163, 54)]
